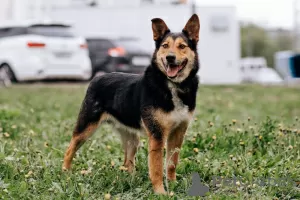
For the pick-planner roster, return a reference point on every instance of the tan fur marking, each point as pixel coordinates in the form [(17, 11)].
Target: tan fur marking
[(78, 139), (155, 161), (170, 121), (76, 142), (162, 117), (181, 56), (156, 164), (174, 143), (174, 132)]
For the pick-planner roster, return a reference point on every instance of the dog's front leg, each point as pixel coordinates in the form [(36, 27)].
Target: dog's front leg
[(174, 143), (157, 134), (156, 151)]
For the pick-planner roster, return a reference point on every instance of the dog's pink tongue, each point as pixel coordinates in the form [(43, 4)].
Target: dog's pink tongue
[(172, 71)]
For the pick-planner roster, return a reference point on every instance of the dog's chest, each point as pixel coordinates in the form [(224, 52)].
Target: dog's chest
[(180, 113)]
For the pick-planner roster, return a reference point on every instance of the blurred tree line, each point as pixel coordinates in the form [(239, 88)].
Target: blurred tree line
[(257, 41)]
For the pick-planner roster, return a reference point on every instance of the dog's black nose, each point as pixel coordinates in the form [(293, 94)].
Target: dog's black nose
[(171, 58)]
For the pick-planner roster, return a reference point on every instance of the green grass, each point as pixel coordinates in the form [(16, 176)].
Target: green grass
[(251, 132)]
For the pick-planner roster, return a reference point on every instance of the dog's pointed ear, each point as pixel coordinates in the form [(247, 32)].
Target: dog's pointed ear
[(159, 28), (192, 28)]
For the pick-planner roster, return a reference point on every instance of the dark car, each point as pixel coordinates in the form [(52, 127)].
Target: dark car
[(118, 55)]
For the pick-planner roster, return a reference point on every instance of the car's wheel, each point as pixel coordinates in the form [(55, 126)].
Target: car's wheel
[(7, 75)]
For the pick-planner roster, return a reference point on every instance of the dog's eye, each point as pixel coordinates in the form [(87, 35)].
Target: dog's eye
[(165, 46), (182, 46)]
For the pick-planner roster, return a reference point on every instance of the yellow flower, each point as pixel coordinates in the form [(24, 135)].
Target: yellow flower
[(122, 168), (46, 144), (295, 130), (234, 121), (86, 172), (214, 137), (260, 137), (196, 150), (28, 174), (112, 163), (108, 147), (31, 132), (107, 196)]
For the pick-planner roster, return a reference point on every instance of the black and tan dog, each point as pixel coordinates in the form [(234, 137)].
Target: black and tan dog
[(160, 103)]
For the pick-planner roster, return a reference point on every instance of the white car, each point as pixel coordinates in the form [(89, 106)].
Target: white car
[(43, 50)]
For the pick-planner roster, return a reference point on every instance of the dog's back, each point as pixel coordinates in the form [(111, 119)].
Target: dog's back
[(117, 94)]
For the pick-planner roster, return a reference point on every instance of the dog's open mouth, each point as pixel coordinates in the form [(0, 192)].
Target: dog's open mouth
[(173, 69)]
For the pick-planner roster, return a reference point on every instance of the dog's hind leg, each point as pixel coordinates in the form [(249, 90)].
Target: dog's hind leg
[(130, 144), (89, 117)]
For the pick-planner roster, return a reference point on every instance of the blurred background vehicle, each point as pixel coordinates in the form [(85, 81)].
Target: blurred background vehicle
[(117, 55), (255, 70), (287, 63), (231, 31), (38, 50)]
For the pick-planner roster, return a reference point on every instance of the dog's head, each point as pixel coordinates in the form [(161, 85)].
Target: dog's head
[(176, 53)]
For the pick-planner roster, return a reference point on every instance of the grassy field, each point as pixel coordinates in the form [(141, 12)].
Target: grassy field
[(249, 132)]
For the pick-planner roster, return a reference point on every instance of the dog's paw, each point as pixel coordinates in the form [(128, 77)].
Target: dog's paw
[(130, 166), (160, 191), (65, 169)]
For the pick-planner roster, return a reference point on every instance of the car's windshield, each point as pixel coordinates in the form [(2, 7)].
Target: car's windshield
[(51, 30), (131, 45)]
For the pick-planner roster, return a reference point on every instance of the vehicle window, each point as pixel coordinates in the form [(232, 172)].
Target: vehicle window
[(131, 45), (12, 31), (4, 32), (51, 30), (99, 44)]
